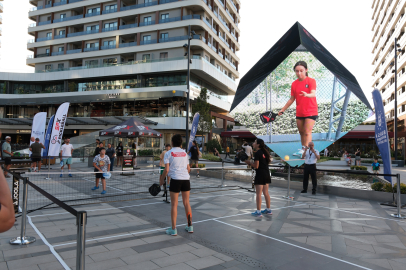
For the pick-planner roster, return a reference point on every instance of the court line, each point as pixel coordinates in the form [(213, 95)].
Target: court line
[(51, 247), (93, 181), (325, 255), (160, 229)]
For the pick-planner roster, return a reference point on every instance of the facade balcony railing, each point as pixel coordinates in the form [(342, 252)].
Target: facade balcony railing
[(210, 7), (32, 24), (44, 23), (224, 23), (232, 33), (48, 6), (167, 1), (31, 56), (227, 61), (58, 53), (214, 48), (147, 23), (68, 18), (190, 17), (139, 6), (208, 23), (43, 39), (129, 44), (231, 64), (74, 1), (108, 47), (110, 29), (74, 51), (228, 45), (204, 40), (30, 41), (127, 26), (92, 14), (229, 14), (59, 36), (221, 37), (205, 1), (60, 3), (109, 11), (64, 2), (91, 49), (221, 55), (169, 39), (42, 55), (215, 13), (168, 20), (221, 3), (83, 33), (232, 3), (146, 42)]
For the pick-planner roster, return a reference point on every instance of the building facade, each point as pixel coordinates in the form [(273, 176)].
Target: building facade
[(1, 21), (116, 59), (389, 22)]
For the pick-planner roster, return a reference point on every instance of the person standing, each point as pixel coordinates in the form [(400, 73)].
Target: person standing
[(111, 153), (101, 164), (194, 158), (227, 152), (162, 163), (36, 149), (97, 150), (311, 156), (6, 155), (358, 157), (134, 152), (261, 161), (326, 152), (178, 169), (66, 156), (119, 152), (376, 167), (248, 152)]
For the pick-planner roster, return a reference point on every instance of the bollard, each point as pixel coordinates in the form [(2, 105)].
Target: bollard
[(81, 220), (288, 193), (222, 174), (399, 200), (16, 194), (49, 168), (22, 239)]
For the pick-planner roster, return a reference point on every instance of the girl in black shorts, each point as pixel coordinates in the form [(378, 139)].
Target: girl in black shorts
[(260, 163)]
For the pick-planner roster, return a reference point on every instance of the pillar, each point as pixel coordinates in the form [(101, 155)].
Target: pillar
[(100, 26), (157, 36), (100, 43), (117, 41), (224, 53), (138, 39), (118, 5), (206, 36), (83, 45), (65, 48), (53, 33), (156, 17), (84, 12), (66, 31), (181, 13)]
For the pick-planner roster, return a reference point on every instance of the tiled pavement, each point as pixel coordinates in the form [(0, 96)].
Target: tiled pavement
[(312, 232)]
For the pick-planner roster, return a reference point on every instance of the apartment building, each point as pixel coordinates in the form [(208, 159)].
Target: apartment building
[(388, 23), (123, 58)]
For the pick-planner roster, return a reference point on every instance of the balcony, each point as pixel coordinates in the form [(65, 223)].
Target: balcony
[(48, 6), (109, 11), (139, 6), (127, 26), (110, 29), (60, 3), (208, 23), (32, 25), (43, 39), (83, 33), (42, 55), (30, 41), (221, 37), (168, 20), (59, 36), (231, 64), (73, 51), (221, 55), (91, 49), (146, 42), (229, 14), (44, 23), (232, 3), (129, 44), (58, 53), (108, 47), (162, 40), (190, 17), (68, 18), (147, 23), (221, 3), (92, 14)]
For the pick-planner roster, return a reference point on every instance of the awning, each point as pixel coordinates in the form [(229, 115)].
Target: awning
[(363, 135), (237, 134)]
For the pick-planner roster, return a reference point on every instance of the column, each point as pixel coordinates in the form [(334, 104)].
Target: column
[(100, 26), (65, 48), (181, 13), (206, 36), (83, 45), (84, 12), (157, 36), (100, 43), (117, 41), (118, 5)]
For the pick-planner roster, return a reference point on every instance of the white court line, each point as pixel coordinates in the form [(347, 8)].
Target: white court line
[(160, 229), (51, 248), (93, 181), (325, 255)]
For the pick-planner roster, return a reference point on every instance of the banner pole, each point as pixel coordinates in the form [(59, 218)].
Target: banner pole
[(288, 193), (399, 200), (49, 168)]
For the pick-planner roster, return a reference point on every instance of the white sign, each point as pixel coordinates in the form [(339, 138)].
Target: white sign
[(57, 129), (38, 127)]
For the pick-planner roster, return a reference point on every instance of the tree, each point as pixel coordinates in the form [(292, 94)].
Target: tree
[(203, 108), (214, 144)]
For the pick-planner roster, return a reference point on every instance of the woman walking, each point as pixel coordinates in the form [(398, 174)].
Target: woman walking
[(260, 163), (303, 91)]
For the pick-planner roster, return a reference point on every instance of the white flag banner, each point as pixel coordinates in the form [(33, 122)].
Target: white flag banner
[(57, 129), (38, 127)]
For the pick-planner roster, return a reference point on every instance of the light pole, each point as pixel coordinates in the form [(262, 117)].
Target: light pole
[(189, 61), (395, 120)]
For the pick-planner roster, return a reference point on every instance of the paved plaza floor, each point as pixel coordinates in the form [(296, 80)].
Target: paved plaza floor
[(310, 232)]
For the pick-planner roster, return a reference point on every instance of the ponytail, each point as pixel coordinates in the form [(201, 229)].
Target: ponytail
[(261, 144), (303, 64)]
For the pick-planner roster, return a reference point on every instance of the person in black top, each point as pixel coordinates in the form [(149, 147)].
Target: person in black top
[(262, 158), (97, 150), (194, 159), (358, 157), (119, 152)]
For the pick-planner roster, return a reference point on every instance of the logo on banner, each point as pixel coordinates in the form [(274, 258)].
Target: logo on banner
[(60, 125), (122, 127), (130, 133), (54, 139), (142, 127), (117, 132), (103, 133), (379, 119)]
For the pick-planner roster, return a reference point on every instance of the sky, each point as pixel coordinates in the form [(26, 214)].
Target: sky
[(343, 27)]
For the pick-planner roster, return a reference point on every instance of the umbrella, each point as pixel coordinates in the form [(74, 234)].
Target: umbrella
[(131, 128)]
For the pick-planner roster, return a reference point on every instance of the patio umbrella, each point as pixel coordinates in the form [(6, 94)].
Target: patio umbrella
[(131, 128)]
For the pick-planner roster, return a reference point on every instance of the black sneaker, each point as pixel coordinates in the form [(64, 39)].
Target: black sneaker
[(303, 191), (313, 192)]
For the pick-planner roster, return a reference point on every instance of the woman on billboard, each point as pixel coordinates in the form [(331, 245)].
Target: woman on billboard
[(303, 90)]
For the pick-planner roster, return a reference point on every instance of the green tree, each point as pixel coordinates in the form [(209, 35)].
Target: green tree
[(202, 107), (214, 144)]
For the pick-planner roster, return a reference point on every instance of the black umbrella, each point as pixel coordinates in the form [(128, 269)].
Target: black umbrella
[(131, 128)]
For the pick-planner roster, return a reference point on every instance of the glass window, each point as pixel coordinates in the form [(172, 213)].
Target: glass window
[(47, 51), (48, 67), (147, 19), (164, 35), (49, 34), (164, 16), (163, 55), (110, 25), (93, 10), (61, 49), (61, 66), (61, 32), (110, 7), (62, 16), (92, 45), (110, 61), (109, 43), (146, 38), (93, 27), (92, 63), (146, 57)]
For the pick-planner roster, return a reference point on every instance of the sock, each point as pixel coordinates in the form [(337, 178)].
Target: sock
[(189, 219), (61, 171), (259, 211), (68, 171), (269, 209)]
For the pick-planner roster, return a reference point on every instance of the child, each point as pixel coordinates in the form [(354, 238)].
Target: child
[(376, 166)]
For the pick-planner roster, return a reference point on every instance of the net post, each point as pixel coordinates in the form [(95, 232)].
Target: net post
[(81, 220), (288, 192), (222, 174), (399, 200), (22, 239), (49, 168)]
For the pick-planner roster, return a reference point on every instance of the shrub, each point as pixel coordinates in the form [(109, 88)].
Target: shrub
[(156, 158), (378, 186), (214, 144), (200, 166), (359, 168), (388, 187), (402, 188), (145, 152), (211, 157)]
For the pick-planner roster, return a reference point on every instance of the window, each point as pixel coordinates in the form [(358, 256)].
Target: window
[(146, 38), (61, 49), (62, 16), (147, 20), (61, 66), (48, 18), (93, 10), (146, 57), (110, 7), (163, 55), (148, 1), (164, 16), (164, 35), (48, 67), (49, 34), (110, 25), (110, 61), (207, 58), (61, 32), (92, 63), (109, 43), (92, 28), (92, 45), (47, 51)]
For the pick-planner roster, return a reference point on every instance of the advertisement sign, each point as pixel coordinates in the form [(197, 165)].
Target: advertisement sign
[(381, 134), (48, 136), (57, 129), (193, 131), (38, 126)]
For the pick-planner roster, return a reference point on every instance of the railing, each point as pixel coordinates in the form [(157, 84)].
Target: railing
[(108, 47), (215, 13), (221, 55), (68, 18), (146, 23), (146, 42), (30, 56), (74, 51), (60, 3), (228, 45), (221, 3), (129, 44), (208, 23), (139, 6), (133, 25), (221, 37), (110, 29), (48, 6), (30, 41), (57, 53), (59, 36), (44, 23), (168, 20), (92, 14), (224, 23), (232, 3), (109, 11), (83, 33), (162, 40), (231, 64), (42, 55), (91, 49), (229, 14), (190, 17), (203, 39), (32, 24), (167, 1), (43, 39), (74, 1)]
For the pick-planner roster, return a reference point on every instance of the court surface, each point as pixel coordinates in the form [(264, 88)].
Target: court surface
[(311, 232)]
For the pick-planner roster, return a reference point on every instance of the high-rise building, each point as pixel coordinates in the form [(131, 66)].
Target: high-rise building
[(389, 22), (121, 58)]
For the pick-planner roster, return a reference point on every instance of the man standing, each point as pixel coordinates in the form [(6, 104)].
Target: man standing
[(227, 151), (311, 156), (161, 162), (111, 153), (6, 155), (66, 156), (194, 156), (177, 167), (97, 150), (36, 149), (248, 151)]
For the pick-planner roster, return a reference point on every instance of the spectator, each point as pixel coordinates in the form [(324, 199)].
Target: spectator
[(120, 152), (248, 151), (376, 167), (134, 152), (310, 155), (236, 159), (111, 153), (66, 156), (194, 159), (6, 155), (358, 157), (161, 161), (101, 164), (347, 158), (97, 150), (227, 151), (36, 149), (326, 152), (216, 152)]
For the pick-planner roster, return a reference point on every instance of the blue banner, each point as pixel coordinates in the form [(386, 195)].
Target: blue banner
[(48, 136), (381, 134), (193, 130)]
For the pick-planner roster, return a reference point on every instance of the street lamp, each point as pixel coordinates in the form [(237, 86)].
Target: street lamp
[(189, 61)]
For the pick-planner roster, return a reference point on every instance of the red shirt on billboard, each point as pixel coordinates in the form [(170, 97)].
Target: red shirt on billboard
[(304, 106)]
